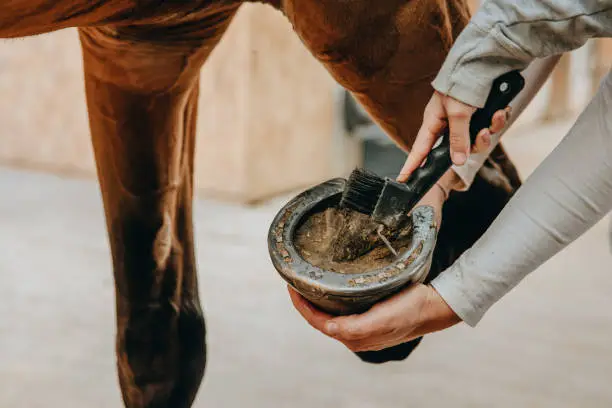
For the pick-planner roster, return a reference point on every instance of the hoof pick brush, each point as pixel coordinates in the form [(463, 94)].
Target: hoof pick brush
[(387, 201)]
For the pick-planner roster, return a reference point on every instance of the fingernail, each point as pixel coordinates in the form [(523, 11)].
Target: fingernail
[(459, 157), (331, 328)]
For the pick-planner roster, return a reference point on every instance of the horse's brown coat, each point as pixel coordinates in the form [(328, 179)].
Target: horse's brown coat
[(142, 60)]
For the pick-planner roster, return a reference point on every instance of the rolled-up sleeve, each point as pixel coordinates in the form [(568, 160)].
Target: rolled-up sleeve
[(505, 35), (565, 196), (572, 189), (535, 76)]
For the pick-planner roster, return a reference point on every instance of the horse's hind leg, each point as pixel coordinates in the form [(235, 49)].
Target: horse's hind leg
[(142, 100)]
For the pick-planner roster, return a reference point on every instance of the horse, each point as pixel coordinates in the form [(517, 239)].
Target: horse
[(142, 60)]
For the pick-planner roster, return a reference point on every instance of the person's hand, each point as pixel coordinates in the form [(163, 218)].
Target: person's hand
[(414, 312), (443, 111), (411, 313)]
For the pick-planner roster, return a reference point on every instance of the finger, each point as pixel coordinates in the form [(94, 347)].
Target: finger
[(367, 326), (345, 329), (361, 346), (348, 328), (499, 121), (381, 320), (483, 141), (315, 317), (390, 337), (426, 138), (420, 149), (432, 126), (384, 339), (459, 131), (386, 324)]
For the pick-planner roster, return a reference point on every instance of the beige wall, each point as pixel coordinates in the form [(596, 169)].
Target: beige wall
[(271, 128), (43, 118)]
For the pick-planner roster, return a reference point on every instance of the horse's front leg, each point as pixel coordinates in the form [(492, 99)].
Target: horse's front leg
[(142, 99), (387, 55)]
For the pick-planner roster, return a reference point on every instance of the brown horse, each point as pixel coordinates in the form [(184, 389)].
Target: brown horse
[(142, 61)]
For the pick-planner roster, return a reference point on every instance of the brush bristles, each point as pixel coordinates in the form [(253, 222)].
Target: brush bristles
[(363, 188)]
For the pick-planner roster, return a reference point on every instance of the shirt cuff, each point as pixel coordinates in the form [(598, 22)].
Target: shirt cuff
[(455, 300), (476, 59), (467, 172), (453, 288)]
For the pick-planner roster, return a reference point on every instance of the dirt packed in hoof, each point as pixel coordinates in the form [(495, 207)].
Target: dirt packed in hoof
[(345, 241)]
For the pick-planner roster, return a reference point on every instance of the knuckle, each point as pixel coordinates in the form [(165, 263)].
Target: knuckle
[(432, 129), (429, 115), (457, 138), (353, 332), (455, 113), (429, 108)]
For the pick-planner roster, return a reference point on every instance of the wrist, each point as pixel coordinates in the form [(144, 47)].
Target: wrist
[(450, 181), (445, 191), (438, 315)]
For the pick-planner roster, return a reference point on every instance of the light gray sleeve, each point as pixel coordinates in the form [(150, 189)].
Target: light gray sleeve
[(566, 195), (505, 35), (535, 76)]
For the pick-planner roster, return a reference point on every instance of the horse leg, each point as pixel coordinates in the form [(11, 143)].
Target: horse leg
[(387, 57), (142, 100)]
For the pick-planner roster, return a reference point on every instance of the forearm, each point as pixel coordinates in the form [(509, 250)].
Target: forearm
[(564, 197), (535, 77), (509, 34)]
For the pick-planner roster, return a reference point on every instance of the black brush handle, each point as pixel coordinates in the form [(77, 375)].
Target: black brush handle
[(438, 161)]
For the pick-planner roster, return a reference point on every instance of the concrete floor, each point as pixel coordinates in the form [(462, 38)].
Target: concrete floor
[(547, 344)]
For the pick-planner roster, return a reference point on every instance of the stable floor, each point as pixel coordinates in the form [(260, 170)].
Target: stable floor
[(547, 344)]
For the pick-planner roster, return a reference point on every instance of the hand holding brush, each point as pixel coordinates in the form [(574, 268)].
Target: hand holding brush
[(387, 201), (446, 113)]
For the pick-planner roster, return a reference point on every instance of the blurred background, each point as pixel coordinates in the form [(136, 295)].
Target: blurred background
[(547, 344)]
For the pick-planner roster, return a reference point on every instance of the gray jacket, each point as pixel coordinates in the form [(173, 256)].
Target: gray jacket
[(509, 34), (572, 189)]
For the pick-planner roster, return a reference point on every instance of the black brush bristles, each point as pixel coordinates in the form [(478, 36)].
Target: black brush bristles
[(362, 191)]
